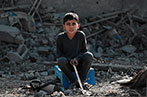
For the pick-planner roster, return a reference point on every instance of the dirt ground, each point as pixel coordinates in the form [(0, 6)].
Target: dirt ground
[(13, 82)]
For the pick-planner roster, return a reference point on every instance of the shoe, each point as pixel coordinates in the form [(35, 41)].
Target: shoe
[(57, 88), (73, 85), (86, 86)]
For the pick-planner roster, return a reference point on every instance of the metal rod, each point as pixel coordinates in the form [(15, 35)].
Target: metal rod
[(78, 77)]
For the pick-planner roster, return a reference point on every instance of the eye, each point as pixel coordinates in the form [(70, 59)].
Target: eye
[(68, 24), (73, 24)]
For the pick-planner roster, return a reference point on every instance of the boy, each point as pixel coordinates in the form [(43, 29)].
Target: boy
[(72, 49)]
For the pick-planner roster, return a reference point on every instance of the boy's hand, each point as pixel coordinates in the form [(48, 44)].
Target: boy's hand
[(74, 62)]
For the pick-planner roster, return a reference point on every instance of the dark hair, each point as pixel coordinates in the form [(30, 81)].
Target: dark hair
[(70, 16)]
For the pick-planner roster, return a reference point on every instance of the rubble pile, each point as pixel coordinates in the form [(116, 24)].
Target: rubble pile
[(28, 42), (112, 35), (117, 34)]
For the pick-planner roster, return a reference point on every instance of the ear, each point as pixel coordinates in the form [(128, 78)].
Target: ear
[(63, 26), (78, 26)]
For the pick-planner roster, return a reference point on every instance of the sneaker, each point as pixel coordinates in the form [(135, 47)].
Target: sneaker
[(86, 86), (57, 88), (73, 85)]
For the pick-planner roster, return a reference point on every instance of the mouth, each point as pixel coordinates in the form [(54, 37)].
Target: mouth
[(71, 30)]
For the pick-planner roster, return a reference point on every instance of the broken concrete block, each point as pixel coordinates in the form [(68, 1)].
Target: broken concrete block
[(44, 41), (19, 39), (49, 88), (28, 22), (144, 40), (14, 56), (44, 73), (21, 49), (10, 34), (40, 30), (43, 50), (51, 57), (29, 76), (128, 48), (41, 93), (4, 21), (97, 55), (13, 20), (34, 56)]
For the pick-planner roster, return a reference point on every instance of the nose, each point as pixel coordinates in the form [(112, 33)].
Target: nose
[(71, 26)]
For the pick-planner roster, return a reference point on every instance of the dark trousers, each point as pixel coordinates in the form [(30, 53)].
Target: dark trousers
[(83, 67)]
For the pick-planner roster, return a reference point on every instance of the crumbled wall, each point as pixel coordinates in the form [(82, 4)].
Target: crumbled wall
[(93, 7), (89, 7)]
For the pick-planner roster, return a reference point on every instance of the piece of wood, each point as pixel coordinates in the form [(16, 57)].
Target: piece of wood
[(101, 20), (140, 80), (110, 14), (52, 63), (36, 11), (104, 67), (51, 24), (139, 19), (33, 7), (16, 7), (114, 67), (79, 80), (39, 2), (93, 34)]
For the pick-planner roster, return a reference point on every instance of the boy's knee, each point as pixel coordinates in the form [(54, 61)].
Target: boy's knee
[(62, 61), (88, 56)]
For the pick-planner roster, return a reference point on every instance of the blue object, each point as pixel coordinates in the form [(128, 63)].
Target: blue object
[(118, 37), (11, 13), (90, 79)]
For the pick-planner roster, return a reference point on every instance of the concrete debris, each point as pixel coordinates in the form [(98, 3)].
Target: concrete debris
[(10, 34), (43, 50), (18, 56), (21, 49), (14, 56), (27, 22), (28, 29), (129, 49), (49, 88)]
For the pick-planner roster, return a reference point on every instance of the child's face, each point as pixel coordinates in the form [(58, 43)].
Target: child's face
[(71, 26)]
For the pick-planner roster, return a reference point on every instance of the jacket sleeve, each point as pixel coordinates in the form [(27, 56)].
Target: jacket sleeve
[(83, 46), (59, 46)]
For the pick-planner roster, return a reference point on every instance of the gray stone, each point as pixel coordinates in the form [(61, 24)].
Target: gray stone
[(14, 56), (43, 50), (110, 52), (51, 57), (44, 73), (19, 39), (49, 88), (29, 76), (40, 30), (97, 55), (41, 93), (100, 50), (21, 49), (128, 48), (26, 20), (68, 92), (45, 41), (145, 52), (10, 34)]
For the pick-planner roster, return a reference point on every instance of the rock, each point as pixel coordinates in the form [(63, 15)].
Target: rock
[(28, 22), (43, 50), (14, 56), (128, 49), (10, 34), (49, 88)]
